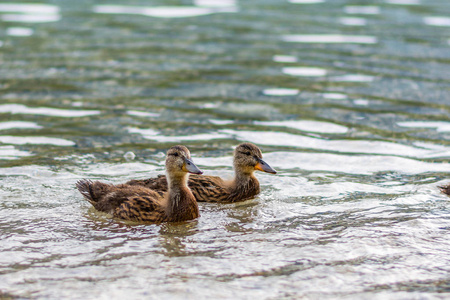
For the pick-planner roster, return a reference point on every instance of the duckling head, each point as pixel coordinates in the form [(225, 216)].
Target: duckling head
[(248, 158), (178, 162)]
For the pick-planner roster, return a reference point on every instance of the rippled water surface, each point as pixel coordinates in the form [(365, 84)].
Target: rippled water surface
[(349, 101)]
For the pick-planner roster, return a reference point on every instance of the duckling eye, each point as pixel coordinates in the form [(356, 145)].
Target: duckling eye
[(174, 154), (246, 153)]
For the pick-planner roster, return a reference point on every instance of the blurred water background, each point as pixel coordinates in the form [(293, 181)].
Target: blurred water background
[(349, 100)]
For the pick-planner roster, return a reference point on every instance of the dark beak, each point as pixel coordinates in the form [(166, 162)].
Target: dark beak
[(190, 167), (263, 166)]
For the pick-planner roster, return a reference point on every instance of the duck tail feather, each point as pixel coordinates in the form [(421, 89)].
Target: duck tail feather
[(84, 186)]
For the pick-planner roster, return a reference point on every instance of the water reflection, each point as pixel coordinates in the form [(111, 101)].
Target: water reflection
[(10, 153), (330, 38), (335, 96), (142, 113), (309, 126), (281, 92), (304, 71), (215, 3), (48, 111), (34, 140), (361, 149), (403, 2), (353, 21), (306, 1), (19, 31), (284, 58), (352, 164), (349, 146), (439, 126), (18, 125), (363, 10), (437, 21), (155, 135), (29, 12), (353, 78), (163, 11)]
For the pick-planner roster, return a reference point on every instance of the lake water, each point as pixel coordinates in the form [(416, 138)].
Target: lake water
[(349, 101)]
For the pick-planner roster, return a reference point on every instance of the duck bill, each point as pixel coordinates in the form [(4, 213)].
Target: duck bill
[(263, 166), (190, 167)]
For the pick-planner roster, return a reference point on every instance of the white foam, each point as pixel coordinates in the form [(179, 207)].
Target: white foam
[(309, 126), (330, 38), (34, 140), (304, 71), (47, 111)]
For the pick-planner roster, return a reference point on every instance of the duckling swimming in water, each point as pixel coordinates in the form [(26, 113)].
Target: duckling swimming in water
[(139, 203), (244, 186)]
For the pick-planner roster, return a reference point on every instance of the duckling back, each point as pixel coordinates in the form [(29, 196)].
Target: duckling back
[(111, 198), (207, 188)]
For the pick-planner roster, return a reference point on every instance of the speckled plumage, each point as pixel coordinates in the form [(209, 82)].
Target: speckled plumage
[(212, 188), (139, 203)]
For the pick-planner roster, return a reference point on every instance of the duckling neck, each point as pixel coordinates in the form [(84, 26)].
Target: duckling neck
[(244, 186), (182, 205)]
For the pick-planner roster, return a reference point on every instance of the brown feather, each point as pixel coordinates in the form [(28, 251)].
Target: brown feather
[(212, 188), (139, 203)]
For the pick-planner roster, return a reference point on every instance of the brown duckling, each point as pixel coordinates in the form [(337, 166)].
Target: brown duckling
[(444, 189), (247, 159), (139, 203)]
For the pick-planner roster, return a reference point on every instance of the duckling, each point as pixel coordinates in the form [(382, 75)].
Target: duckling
[(244, 186), (445, 189), (139, 203)]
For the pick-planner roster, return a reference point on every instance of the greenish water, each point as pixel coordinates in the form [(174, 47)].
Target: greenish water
[(349, 101)]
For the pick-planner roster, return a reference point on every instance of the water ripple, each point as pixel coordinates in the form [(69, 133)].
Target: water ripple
[(330, 38), (163, 11), (48, 111)]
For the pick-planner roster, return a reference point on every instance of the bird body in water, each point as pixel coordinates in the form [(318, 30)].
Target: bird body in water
[(445, 189), (139, 203), (247, 159)]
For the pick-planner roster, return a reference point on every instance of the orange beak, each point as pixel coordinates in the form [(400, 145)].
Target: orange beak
[(263, 166)]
